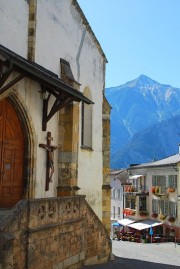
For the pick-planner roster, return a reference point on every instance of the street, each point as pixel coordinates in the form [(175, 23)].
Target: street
[(129, 255)]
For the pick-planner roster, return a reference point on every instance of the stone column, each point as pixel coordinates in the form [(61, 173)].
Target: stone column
[(32, 30), (68, 154), (68, 139), (106, 189)]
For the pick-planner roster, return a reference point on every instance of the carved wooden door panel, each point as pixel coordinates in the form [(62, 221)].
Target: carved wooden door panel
[(11, 156)]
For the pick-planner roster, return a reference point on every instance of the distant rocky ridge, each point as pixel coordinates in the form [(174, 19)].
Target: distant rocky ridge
[(145, 121)]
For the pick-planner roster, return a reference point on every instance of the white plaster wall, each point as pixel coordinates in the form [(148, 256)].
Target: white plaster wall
[(14, 25), (61, 34)]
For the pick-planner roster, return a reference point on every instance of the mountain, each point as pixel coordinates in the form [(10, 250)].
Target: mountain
[(144, 121)]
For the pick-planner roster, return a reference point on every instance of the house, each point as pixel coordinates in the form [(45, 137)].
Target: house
[(54, 138), (158, 198), (117, 180)]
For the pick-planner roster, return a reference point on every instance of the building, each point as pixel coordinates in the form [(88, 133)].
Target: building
[(54, 138), (156, 189), (117, 180)]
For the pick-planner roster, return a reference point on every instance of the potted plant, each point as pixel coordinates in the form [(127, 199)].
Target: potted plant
[(171, 189), (143, 239), (153, 189), (154, 215), (143, 213), (171, 219), (162, 217), (157, 190)]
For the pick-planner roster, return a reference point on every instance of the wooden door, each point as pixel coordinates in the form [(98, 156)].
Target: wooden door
[(11, 156)]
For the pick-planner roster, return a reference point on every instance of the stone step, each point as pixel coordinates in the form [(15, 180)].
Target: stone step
[(4, 213)]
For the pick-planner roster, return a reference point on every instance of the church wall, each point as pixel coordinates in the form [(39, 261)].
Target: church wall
[(14, 25), (14, 35), (34, 106), (60, 33)]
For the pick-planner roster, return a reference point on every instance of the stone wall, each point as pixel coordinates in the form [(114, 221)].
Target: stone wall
[(53, 233)]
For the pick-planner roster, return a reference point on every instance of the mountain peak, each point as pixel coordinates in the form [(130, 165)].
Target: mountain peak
[(146, 80), (142, 81)]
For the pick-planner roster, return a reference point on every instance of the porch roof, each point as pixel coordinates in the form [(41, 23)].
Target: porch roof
[(64, 93)]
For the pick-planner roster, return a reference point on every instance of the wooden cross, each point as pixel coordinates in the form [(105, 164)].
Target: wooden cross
[(50, 159)]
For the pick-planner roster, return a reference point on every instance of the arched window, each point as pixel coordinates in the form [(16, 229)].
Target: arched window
[(86, 121)]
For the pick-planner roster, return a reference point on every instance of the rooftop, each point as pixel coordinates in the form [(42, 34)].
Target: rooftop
[(171, 160)]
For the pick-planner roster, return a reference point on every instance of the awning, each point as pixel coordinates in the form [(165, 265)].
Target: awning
[(125, 222), (144, 224)]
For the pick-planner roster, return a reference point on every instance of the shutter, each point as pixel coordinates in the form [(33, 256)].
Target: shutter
[(153, 205), (166, 207), (153, 180)]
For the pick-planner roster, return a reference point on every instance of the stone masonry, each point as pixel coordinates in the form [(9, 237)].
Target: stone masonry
[(53, 233)]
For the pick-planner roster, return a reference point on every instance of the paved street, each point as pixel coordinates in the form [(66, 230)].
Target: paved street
[(129, 255)]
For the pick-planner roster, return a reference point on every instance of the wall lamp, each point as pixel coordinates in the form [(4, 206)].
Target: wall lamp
[(43, 94)]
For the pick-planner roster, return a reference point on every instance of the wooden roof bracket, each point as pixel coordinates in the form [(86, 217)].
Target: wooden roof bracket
[(61, 101), (6, 69)]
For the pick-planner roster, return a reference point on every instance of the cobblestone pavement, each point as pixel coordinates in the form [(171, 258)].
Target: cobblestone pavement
[(129, 255)]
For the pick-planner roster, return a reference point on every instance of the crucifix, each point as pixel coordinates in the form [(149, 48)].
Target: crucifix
[(50, 159)]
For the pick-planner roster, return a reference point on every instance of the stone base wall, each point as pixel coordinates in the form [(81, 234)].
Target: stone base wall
[(53, 233)]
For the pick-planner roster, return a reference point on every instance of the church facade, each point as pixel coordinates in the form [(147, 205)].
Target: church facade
[(54, 138)]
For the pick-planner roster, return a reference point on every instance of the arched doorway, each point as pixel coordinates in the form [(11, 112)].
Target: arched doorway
[(12, 146)]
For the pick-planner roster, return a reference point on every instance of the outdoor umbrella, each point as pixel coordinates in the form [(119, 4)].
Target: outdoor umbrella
[(151, 232), (116, 224)]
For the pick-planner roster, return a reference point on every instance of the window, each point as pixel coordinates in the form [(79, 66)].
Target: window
[(113, 193), (172, 181), (142, 203), (159, 181), (172, 209), (155, 208), (119, 211), (86, 122), (114, 212), (119, 194), (130, 202), (164, 207)]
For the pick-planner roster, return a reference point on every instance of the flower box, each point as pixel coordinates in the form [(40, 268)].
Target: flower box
[(171, 219), (129, 212), (162, 217), (143, 213), (171, 190), (154, 215)]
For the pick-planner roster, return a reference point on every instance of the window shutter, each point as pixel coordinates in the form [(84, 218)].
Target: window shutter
[(166, 207), (153, 181)]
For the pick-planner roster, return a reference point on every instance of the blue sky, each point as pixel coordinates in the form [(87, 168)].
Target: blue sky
[(137, 37)]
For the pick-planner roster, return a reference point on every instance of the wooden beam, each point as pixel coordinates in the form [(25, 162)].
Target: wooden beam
[(10, 84)]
